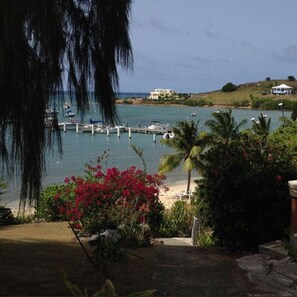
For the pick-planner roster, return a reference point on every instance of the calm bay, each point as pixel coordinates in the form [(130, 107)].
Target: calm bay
[(81, 148)]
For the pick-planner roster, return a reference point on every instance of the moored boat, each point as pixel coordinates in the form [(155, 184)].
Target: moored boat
[(157, 126)]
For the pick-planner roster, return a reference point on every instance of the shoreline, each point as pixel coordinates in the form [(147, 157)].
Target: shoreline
[(169, 197), (166, 197)]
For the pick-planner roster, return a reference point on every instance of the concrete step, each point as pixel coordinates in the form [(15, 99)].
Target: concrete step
[(274, 250)]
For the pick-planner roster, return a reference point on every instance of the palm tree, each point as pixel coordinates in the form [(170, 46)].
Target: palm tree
[(44, 43), (223, 127), (187, 144), (262, 126)]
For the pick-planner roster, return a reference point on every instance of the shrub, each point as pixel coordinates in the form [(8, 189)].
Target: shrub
[(245, 191), (291, 78), (267, 78), (49, 207), (229, 87), (178, 220), (271, 103), (99, 200), (242, 103), (6, 216)]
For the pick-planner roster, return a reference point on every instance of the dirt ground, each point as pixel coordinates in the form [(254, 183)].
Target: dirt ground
[(33, 255)]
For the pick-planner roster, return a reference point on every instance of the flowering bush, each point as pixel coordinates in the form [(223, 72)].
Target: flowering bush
[(104, 200)]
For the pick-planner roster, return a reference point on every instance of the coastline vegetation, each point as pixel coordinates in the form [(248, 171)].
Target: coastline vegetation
[(254, 95)]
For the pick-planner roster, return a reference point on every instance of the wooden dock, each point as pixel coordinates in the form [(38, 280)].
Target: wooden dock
[(144, 130), (78, 128)]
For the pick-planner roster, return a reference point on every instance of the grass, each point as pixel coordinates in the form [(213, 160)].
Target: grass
[(241, 97), (260, 89)]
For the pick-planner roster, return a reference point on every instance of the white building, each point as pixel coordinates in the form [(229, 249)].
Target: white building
[(282, 90), (161, 93)]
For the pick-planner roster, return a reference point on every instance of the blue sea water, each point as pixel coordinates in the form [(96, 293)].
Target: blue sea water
[(82, 148)]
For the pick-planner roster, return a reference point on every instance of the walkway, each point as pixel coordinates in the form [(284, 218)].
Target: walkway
[(184, 270)]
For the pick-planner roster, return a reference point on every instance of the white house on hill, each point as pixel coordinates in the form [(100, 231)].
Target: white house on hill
[(282, 90), (161, 93)]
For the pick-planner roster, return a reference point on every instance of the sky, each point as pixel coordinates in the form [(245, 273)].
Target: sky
[(194, 46)]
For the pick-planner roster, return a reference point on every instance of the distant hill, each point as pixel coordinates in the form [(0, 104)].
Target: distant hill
[(245, 92)]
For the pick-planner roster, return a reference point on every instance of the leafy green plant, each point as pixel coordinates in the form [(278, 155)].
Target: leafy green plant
[(49, 208), (205, 238), (24, 219), (178, 220)]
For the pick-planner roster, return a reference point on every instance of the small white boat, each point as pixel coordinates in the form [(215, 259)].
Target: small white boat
[(68, 113), (193, 114), (157, 126), (92, 126), (109, 129)]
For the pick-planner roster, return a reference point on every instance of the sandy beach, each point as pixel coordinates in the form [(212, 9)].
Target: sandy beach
[(170, 196)]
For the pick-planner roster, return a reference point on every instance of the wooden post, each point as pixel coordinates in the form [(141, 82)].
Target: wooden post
[(195, 231), (118, 130), (293, 193), (77, 129), (93, 130), (64, 126), (154, 138)]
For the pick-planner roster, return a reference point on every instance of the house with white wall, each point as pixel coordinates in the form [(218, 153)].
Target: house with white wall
[(161, 93), (282, 90)]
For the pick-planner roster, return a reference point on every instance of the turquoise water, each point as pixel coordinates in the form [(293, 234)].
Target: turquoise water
[(83, 147)]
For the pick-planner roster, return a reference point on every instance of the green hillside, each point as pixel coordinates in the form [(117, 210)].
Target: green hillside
[(246, 92)]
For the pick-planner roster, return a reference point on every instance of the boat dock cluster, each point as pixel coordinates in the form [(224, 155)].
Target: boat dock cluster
[(96, 126)]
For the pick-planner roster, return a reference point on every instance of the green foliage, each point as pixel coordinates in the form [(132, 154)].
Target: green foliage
[(242, 103), (272, 103), (229, 87), (262, 125), (294, 113), (187, 144), (286, 136), (205, 238), (178, 220), (245, 190), (198, 102), (291, 78), (6, 216), (126, 101), (223, 126), (24, 219), (48, 207)]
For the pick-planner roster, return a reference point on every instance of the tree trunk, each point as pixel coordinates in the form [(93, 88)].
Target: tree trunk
[(189, 181)]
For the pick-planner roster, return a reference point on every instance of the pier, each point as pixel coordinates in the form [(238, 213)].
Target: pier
[(144, 130), (78, 128)]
